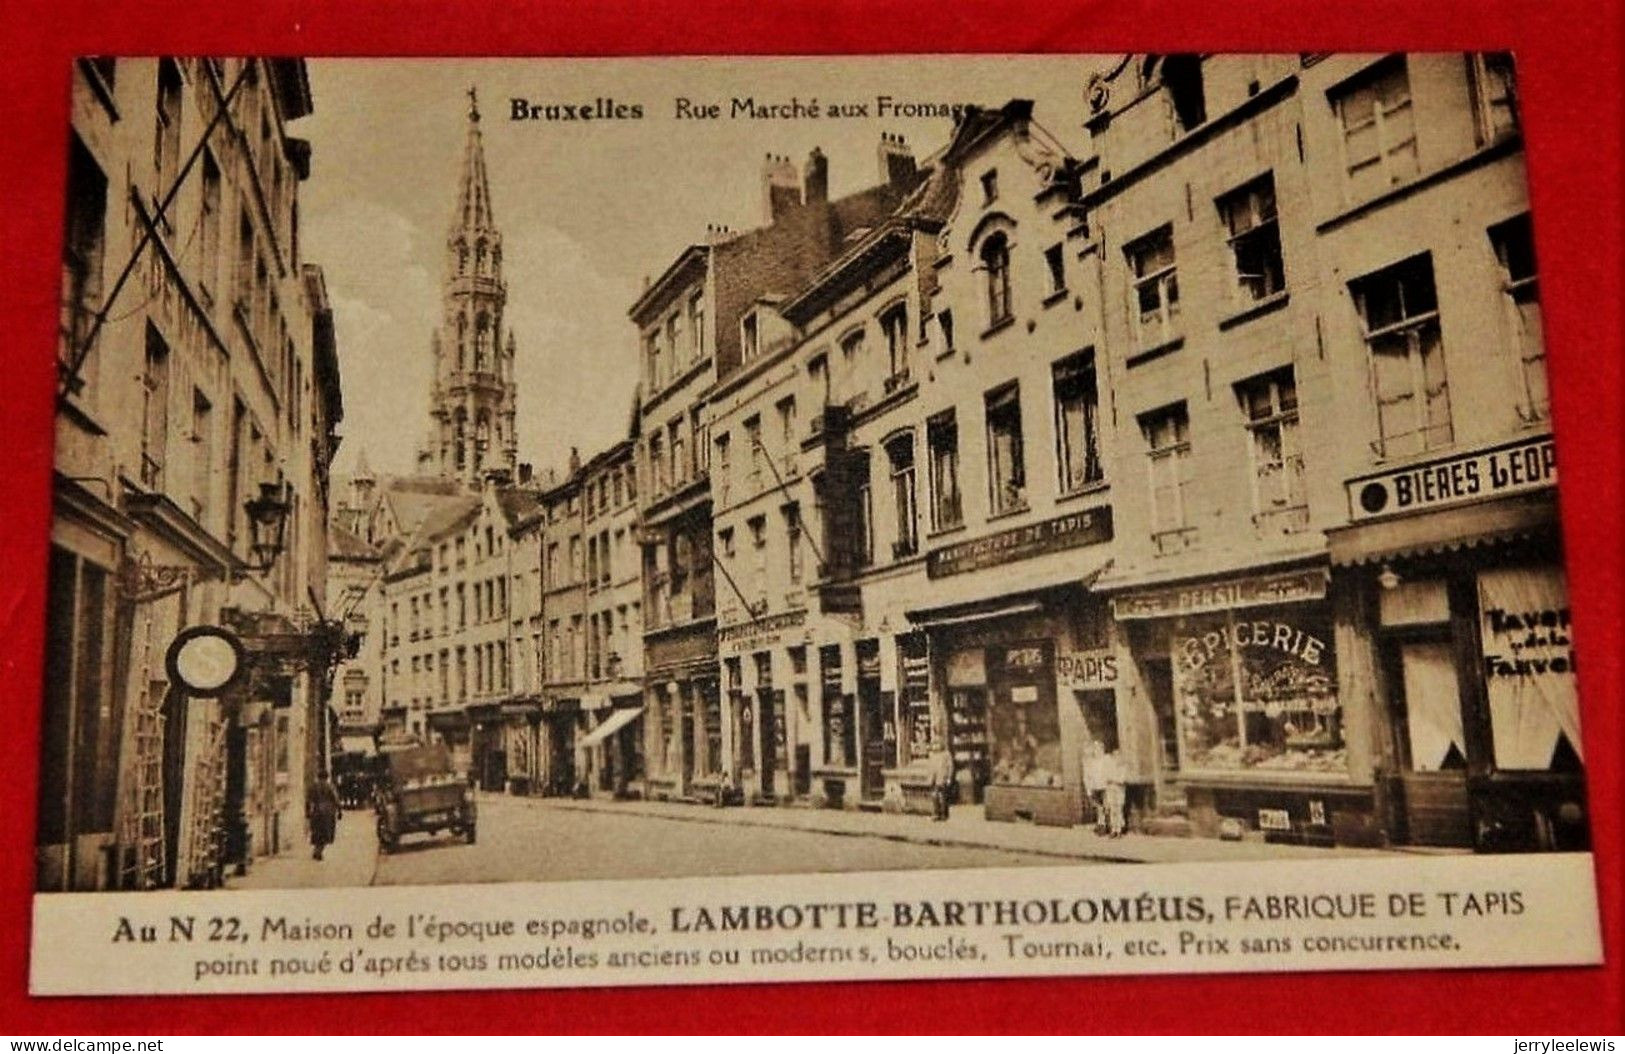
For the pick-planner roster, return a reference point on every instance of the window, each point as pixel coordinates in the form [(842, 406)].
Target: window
[(166, 142), (1495, 94), (679, 463), (651, 361), (82, 248), (1156, 286), (155, 410), (1401, 316), (1379, 128), (750, 339), (674, 338), (990, 186), (722, 476), (995, 256), (1055, 263), (1269, 406), (1007, 473), (696, 324), (945, 329), (864, 543), (786, 408), (792, 531), (900, 452), (818, 377), (851, 354), (657, 464), (202, 457), (942, 439), (753, 437), (1077, 423), (1255, 239), (725, 536), (209, 225), (894, 325), (1182, 76), (1515, 250), (1168, 451), (758, 542)]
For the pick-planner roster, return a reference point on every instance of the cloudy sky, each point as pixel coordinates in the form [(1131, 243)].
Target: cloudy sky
[(586, 209)]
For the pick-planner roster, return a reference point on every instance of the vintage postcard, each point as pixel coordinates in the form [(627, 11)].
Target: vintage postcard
[(588, 522)]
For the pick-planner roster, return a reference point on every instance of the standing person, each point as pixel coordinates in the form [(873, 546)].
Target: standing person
[(1091, 759), (1116, 793), (323, 811)]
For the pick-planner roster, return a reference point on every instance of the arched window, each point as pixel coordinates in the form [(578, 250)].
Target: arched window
[(462, 257), (459, 434), (995, 255), (479, 256), (482, 333), (462, 343)]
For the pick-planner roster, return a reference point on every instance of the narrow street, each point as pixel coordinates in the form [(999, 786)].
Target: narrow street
[(551, 839), (530, 839)]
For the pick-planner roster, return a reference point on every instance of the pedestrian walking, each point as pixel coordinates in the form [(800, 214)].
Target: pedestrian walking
[(322, 810)]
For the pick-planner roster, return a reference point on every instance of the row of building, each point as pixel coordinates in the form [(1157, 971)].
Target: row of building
[(1223, 451), (197, 404)]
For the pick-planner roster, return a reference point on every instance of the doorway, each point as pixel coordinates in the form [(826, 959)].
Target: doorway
[(1434, 806)]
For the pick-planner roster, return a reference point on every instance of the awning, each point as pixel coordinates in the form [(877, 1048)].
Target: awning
[(357, 745), (612, 724), (931, 618), (1447, 530)]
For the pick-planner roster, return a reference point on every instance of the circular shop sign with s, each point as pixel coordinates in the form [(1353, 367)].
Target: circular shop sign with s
[(205, 660)]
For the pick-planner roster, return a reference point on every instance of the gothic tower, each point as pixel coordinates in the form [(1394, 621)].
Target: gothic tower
[(471, 404)]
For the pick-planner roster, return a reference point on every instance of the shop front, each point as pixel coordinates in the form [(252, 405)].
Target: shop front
[(555, 748), (683, 716), (488, 743), (521, 736), (611, 748), (1008, 712), (451, 726), (1249, 728), (1465, 604)]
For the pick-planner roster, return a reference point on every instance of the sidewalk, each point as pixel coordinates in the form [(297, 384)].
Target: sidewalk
[(349, 861), (967, 828)]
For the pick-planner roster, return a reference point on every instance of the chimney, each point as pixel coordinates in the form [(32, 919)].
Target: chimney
[(575, 460), (815, 177), (897, 165), (526, 473), (781, 187), (497, 477)]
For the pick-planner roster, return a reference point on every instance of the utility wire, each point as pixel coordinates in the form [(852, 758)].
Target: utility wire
[(70, 376)]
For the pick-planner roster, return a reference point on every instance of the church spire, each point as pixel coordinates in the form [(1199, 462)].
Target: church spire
[(474, 192), (472, 395)]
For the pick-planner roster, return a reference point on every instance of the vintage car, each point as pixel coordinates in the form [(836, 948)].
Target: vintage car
[(418, 790)]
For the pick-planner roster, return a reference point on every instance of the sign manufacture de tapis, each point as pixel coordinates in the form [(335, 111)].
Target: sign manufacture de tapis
[(1086, 527)]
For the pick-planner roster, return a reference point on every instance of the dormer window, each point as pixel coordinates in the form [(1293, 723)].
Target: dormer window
[(1182, 76), (990, 186), (750, 338)]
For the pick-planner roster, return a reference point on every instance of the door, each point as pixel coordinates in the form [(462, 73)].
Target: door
[(1434, 779), (686, 723), (872, 710), (768, 719)]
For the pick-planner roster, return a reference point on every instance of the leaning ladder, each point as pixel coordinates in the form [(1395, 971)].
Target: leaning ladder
[(143, 834)]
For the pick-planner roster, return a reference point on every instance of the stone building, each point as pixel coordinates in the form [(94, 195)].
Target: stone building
[(198, 375), (699, 323), (1344, 528)]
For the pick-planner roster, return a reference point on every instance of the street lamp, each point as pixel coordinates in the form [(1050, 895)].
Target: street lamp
[(267, 520)]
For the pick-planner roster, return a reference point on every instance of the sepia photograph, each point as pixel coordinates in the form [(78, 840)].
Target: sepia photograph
[(539, 471)]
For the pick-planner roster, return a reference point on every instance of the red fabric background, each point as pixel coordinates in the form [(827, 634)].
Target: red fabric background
[(1569, 61)]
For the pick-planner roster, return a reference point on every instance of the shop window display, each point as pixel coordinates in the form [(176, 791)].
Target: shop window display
[(1023, 725), (1256, 690)]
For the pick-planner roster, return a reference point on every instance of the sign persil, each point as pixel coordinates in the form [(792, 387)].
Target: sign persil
[(1512, 468)]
